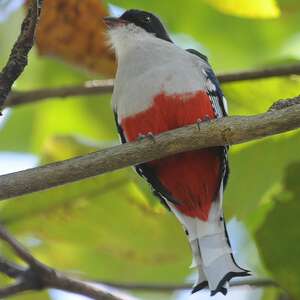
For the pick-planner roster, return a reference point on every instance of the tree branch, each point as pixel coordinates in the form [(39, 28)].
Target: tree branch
[(10, 269), (95, 87), (98, 87), (255, 283), (18, 56), (260, 74), (16, 288), (217, 132), (39, 276)]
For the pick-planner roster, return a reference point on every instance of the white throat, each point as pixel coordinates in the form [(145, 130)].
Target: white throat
[(148, 66), (125, 38)]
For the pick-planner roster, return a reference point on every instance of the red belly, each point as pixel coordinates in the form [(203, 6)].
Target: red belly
[(191, 177)]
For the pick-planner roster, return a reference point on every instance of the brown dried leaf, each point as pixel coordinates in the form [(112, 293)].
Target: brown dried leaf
[(73, 30)]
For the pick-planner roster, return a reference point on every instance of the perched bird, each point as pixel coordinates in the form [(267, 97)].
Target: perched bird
[(160, 86)]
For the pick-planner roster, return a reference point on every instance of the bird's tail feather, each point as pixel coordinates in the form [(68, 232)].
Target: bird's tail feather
[(212, 255)]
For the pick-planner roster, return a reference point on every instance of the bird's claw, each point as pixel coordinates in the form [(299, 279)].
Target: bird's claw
[(206, 118), (149, 135), (198, 123)]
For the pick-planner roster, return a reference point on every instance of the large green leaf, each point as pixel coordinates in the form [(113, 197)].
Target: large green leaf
[(29, 126), (279, 236), (103, 229), (100, 226), (256, 171), (253, 97)]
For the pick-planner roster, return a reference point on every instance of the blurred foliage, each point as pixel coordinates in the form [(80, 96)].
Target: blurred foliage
[(104, 226), (278, 237), (231, 42), (7, 7), (246, 8), (74, 31)]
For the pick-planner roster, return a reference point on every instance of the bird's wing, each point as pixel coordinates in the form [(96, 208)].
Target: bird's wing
[(213, 86), (146, 172), (219, 103)]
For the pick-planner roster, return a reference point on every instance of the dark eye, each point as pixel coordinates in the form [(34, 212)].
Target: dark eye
[(146, 19)]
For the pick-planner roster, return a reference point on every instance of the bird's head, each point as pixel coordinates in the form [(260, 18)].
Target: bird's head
[(134, 26)]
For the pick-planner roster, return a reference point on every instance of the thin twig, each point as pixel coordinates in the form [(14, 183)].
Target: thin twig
[(39, 276), (18, 248), (260, 74), (98, 87), (224, 131), (18, 57), (16, 288), (95, 87), (10, 269), (153, 287)]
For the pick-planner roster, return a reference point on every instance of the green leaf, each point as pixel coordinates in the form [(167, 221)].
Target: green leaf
[(279, 236), (60, 147), (254, 97), (256, 170), (29, 126), (247, 8), (36, 295), (271, 294), (100, 226), (252, 164)]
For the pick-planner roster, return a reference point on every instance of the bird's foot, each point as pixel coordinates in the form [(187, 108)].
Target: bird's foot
[(149, 136), (198, 123), (206, 118)]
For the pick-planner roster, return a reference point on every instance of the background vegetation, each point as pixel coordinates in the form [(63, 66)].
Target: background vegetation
[(111, 228)]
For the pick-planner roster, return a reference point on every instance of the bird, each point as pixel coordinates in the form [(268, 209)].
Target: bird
[(158, 87)]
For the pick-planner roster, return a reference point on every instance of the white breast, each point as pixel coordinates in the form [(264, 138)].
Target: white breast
[(151, 67)]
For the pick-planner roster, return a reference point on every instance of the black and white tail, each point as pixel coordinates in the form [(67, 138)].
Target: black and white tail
[(212, 256), (212, 253)]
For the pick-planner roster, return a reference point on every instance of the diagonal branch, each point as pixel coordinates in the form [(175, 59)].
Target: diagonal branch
[(19, 249), (18, 56), (224, 131), (16, 288), (39, 276), (98, 87)]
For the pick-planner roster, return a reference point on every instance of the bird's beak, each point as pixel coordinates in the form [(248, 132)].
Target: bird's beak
[(112, 22)]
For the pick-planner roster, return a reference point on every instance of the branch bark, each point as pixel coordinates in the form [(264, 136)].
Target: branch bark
[(18, 56), (98, 87), (254, 283), (224, 131), (95, 87), (39, 276), (260, 74)]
